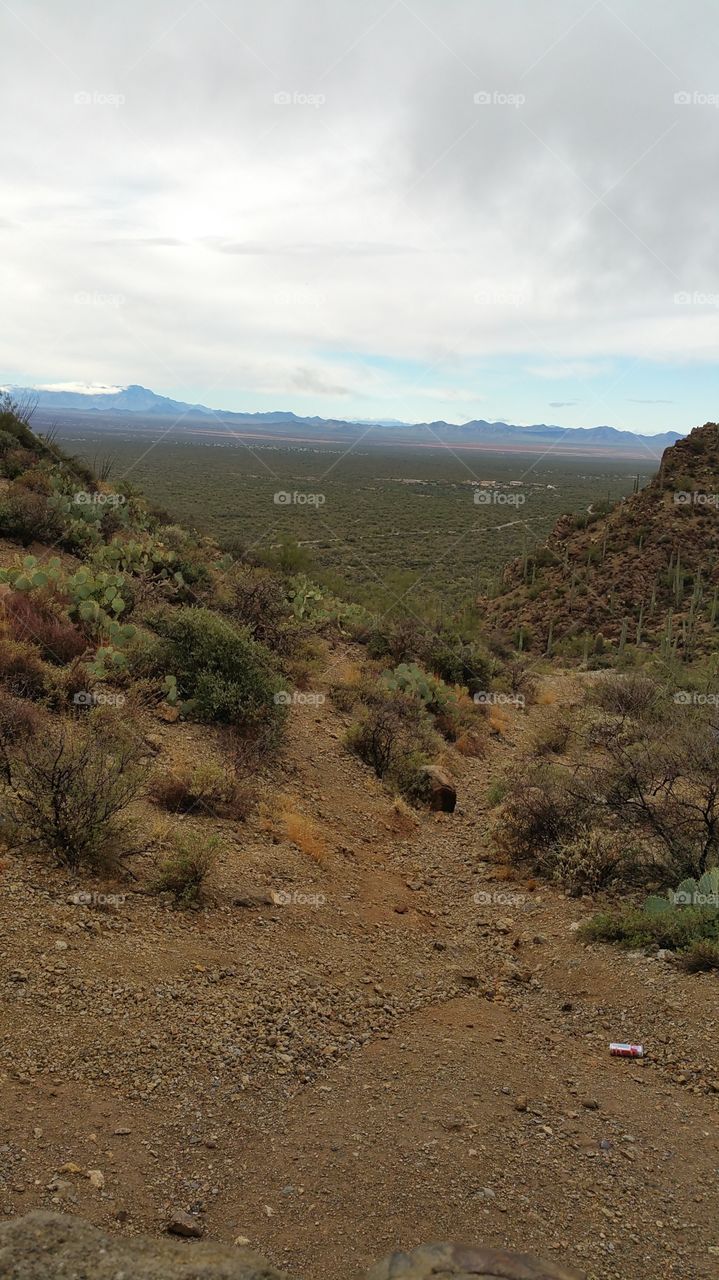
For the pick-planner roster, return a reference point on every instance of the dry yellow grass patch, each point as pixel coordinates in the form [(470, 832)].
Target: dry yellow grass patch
[(471, 743), (498, 718), (298, 828), (546, 697), (346, 673)]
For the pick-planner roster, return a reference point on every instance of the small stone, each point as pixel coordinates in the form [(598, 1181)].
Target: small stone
[(180, 1223)]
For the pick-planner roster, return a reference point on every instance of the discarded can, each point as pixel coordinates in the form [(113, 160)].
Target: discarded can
[(627, 1050)]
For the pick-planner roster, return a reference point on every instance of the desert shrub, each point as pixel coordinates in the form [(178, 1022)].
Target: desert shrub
[(458, 662), (553, 736), (220, 670), (7, 441), (258, 601), (146, 654), (70, 789), (19, 721), (537, 817), (26, 517), (394, 736), (205, 789), (659, 778), (518, 680), (17, 460), (496, 792), (587, 861), (700, 957), (22, 671), (35, 480), (184, 870), (34, 618), (636, 927), (631, 695)]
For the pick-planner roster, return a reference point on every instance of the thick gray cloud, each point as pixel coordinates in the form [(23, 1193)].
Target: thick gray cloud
[(233, 201)]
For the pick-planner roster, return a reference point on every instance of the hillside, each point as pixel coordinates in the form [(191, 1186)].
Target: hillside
[(643, 573), (270, 967)]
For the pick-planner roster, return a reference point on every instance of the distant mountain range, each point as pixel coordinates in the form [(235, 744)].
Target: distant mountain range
[(132, 403)]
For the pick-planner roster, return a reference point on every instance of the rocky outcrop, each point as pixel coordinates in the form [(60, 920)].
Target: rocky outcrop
[(54, 1246)]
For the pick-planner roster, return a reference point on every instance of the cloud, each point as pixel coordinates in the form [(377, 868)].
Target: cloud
[(562, 404), (312, 380), (80, 388), (374, 207)]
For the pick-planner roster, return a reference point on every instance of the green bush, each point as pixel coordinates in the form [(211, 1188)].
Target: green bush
[(636, 927), (221, 672), (184, 871)]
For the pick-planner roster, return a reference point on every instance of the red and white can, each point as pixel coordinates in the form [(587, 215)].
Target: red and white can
[(627, 1050)]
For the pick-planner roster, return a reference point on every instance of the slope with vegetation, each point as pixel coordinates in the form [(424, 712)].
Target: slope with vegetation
[(255, 980), (640, 575)]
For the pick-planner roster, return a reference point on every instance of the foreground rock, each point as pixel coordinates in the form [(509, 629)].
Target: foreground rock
[(54, 1246), (464, 1263)]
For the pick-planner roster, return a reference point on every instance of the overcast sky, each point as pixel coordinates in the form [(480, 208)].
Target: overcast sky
[(434, 209)]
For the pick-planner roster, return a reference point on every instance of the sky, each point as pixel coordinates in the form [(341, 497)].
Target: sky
[(434, 209)]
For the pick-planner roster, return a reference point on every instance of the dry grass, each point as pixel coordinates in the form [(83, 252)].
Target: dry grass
[(546, 697), (403, 819), (289, 824), (470, 743), (498, 719)]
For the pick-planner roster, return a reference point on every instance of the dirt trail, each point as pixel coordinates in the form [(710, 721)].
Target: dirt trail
[(401, 1062)]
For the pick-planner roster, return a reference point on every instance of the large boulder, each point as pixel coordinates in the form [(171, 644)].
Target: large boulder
[(54, 1246), (438, 789)]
